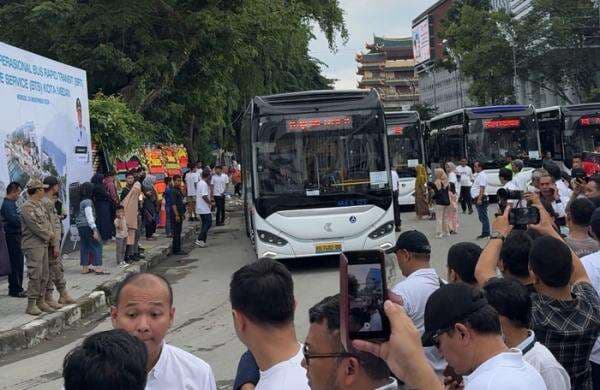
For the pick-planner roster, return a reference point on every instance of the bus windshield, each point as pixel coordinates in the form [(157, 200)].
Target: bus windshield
[(582, 134), (492, 140), (404, 141), (321, 154)]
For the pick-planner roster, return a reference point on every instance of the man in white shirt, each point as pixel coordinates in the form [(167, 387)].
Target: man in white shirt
[(465, 177), (413, 253), (203, 205), (550, 198), (467, 332), (263, 305), (591, 263), (481, 201), (219, 182), (512, 301), (144, 308), (520, 178), (191, 181), (339, 369), (395, 194)]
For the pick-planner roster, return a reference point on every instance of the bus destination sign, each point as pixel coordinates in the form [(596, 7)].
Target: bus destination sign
[(501, 124), (318, 124)]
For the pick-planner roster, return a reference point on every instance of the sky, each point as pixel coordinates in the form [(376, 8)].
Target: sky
[(364, 18)]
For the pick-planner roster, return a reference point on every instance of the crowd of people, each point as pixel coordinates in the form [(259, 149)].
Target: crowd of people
[(34, 231)]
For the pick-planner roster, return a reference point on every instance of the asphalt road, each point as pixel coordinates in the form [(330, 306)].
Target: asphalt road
[(203, 324)]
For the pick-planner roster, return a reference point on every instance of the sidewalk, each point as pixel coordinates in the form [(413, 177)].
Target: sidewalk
[(92, 292)]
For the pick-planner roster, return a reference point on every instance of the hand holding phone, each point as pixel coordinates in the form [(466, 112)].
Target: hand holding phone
[(363, 290)]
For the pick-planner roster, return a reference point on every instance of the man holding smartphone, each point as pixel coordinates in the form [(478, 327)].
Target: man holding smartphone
[(413, 253)]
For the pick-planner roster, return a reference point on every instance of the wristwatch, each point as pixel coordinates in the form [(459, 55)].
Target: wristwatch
[(497, 236)]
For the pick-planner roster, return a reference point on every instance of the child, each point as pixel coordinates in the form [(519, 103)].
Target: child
[(121, 236)]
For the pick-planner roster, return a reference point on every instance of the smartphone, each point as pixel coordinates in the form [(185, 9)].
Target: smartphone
[(524, 216), (363, 290)]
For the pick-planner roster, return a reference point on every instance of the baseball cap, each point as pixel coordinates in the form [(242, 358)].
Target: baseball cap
[(50, 181), (35, 184), (413, 241), (448, 305)]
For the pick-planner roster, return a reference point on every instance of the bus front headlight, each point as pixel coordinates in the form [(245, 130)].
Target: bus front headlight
[(382, 230), (270, 238)]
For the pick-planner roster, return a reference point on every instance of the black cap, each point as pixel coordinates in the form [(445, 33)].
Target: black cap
[(50, 181), (448, 305), (413, 241)]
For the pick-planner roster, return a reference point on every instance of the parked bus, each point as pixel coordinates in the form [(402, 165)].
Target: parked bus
[(316, 174), (571, 130), (486, 134), (405, 145)]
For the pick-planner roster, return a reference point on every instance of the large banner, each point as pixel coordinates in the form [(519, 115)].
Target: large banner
[(44, 126), (421, 44)]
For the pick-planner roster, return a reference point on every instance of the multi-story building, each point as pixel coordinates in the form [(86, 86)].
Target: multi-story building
[(440, 88), (389, 66)]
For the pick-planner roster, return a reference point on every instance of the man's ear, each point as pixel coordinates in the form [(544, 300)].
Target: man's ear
[(114, 312), (463, 333), (239, 319), (351, 370)]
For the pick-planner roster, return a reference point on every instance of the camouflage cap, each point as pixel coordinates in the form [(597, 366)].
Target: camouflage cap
[(35, 184)]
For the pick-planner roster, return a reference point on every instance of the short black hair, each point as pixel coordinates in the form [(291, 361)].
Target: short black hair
[(264, 292), (120, 207), (550, 259), (581, 210), (515, 253), (553, 169), (12, 187), (205, 173), (510, 299), (130, 173), (112, 360), (329, 310), (595, 179), (579, 156), (86, 190), (31, 191), (462, 259), (176, 177), (219, 166), (132, 277), (477, 162), (505, 174), (168, 180)]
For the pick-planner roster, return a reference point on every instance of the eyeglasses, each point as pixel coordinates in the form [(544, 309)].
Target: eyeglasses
[(308, 355), (436, 337)]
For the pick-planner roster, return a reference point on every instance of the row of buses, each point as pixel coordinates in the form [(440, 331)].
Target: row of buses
[(316, 165)]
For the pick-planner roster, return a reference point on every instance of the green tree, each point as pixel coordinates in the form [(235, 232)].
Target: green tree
[(187, 66), (425, 110), (559, 47)]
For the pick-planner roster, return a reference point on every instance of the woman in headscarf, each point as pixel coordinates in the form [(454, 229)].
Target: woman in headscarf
[(452, 218), (149, 207), (421, 204), (87, 225), (131, 205), (103, 208)]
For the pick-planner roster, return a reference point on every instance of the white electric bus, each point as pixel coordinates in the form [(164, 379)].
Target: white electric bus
[(488, 135), (316, 174), (406, 149)]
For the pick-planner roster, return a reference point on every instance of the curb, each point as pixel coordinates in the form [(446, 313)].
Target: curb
[(40, 329)]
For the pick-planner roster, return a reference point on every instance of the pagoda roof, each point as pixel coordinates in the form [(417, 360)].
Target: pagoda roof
[(370, 57), (389, 42)]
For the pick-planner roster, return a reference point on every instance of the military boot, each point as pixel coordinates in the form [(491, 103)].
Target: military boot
[(32, 308), (51, 302), (43, 306), (65, 298)]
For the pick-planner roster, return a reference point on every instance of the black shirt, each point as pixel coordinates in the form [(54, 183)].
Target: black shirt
[(175, 197)]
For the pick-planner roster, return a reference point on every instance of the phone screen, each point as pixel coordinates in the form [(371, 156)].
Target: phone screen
[(524, 216), (366, 291)]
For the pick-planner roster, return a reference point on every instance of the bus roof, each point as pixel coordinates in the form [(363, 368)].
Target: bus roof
[(312, 101), (581, 109), (402, 116), (447, 115)]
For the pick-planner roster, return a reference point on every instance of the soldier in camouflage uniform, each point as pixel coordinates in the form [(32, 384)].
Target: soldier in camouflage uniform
[(56, 276), (37, 234)]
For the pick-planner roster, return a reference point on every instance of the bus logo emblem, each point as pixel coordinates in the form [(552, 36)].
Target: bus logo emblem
[(327, 227), (353, 219)]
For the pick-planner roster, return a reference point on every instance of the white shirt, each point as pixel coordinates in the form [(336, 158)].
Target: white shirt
[(415, 291), (219, 183), (511, 185), (466, 175), (202, 190), (540, 358), (591, 263), (506, 370), (81, 141), (288, 375), (521, 179), (395, 180), (191, 180), (480, 181), (563, 189), (177, 369)]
